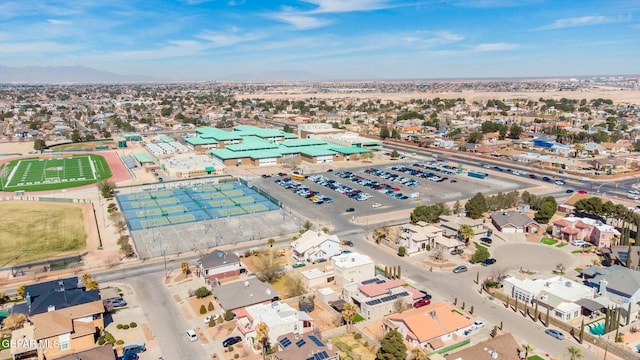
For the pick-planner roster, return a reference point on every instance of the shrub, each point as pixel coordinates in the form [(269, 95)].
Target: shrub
[(125, 327), (366, 344), (402, 251), (236, 356), (230, 348), (133, 325), (202, 292), (119, 326), (203, 310), (119, 342), (101, 340), (210, 306), (357, 336), (228, 315)]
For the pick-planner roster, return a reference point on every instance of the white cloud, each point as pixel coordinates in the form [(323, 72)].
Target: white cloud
[(300, 20), (219, 39), (580, 21), (58, 22), (341, 6), (493, 47)]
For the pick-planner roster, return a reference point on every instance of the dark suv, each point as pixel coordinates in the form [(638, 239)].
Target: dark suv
[(457, 251), (231, 341)]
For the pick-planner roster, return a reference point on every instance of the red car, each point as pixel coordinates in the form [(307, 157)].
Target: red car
[(421, 303), (582, 191)]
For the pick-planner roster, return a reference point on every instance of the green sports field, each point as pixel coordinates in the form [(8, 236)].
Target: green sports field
[(53, 172)]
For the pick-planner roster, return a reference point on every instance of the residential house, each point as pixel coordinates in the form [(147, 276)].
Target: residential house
[(451, 225), (280, 317), (618, 283), (420, 236), (558, 293), (590, 230), (60, 332), (376, 297), (353, 267), (104, 352), (315, 245), (243, 293), (430, 325), (219, 265), (307, 346), (593, 148), (501, 347), (55, 294), (511, 221), (619, 255)]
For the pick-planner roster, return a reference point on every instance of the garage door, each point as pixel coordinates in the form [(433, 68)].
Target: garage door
[(509, 230), (268, 162)]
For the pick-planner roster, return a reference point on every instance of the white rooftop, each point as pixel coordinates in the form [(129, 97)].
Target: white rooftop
[(346, 261), (558, 286)]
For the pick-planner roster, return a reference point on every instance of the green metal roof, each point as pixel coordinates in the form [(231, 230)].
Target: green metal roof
[(143, 158), (200, 141), (252, 144), (218, 134), (303, 142), (316, 151), (130, 134), (257, 131), (226, 154), (165, 138), (349, 150)]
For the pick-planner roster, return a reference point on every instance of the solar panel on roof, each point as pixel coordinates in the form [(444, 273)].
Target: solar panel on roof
[(379, 281), (370, 281), (316, 340), (301, 343), (285, 342)]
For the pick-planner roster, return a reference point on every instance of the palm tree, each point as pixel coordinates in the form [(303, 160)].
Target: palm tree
[(20, 291), (348, 314), (418, 353), (466, 232), (184, 266), (527, 348), (89, 282), (262, 335), (574, 353)]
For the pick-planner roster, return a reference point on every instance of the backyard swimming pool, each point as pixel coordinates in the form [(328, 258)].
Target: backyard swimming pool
[(597, 328)]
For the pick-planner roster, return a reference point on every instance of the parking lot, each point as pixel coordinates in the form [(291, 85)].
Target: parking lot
[(394, 187)]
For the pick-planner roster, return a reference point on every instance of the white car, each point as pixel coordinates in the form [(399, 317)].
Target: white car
[(633, 197), (478, 324), (634, 192), (213, 317), (578, 242), (191, 335), (376, 205)]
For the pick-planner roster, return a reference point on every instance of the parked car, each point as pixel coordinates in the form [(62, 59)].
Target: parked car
[(134, 348), (555, 333), (231, 341), (478, 324), (489, 261), (350, 210), (191, 335), (376, 205), (422, 302), (569, 191), (118, 302), (459, 269), (129, 356), (582, 191), (486, 240), (348, 243), (426, 294), (457, 251)]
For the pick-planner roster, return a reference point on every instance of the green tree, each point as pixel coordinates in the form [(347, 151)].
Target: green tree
[(39, 144), (395, 154), (429, 213), (515, 131), (547, 209), (287, 128), (395, 134), (574, 353), (75, 136), (392, 347), (466, 232), (106, 188), (476, 137), (476, 206), (384, 133), (402, 251), (480, 255)]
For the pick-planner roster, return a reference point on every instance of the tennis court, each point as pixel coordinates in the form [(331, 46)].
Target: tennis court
[(55, 171), (155, 208)]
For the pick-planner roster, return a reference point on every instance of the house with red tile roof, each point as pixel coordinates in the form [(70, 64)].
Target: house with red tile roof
[(591, 230), (431, 326)]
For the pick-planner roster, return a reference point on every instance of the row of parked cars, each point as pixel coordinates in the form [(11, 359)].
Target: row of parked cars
[(302, 190), (383, 188), (419, 173), (340, 188), (411, 183), (438, 166)]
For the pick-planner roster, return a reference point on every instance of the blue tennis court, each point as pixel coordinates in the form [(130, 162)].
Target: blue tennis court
[(150, 209)]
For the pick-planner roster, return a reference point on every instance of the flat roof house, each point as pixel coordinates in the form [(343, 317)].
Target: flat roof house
[(353, 267), (280, 317)]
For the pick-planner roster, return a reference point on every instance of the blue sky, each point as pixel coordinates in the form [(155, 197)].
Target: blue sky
[(325, 39)]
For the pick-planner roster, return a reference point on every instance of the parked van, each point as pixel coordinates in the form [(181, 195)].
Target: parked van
[(134, 348)]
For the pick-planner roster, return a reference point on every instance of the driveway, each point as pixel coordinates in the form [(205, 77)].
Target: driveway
[(536, 257)]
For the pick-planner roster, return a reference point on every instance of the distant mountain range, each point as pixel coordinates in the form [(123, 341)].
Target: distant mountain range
[(64, 74)]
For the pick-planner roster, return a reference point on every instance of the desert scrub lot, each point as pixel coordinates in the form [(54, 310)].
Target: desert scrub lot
[(34, 231)]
